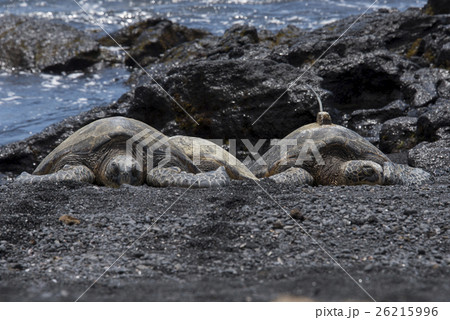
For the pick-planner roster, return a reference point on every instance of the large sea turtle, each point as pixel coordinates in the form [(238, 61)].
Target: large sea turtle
[(209, 156), (323, 153), (117, 150)]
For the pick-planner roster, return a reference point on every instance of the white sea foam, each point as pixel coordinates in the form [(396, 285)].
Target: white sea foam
[(82, 101), (51, 81), (75, 75), (11, 98), (324, 22)]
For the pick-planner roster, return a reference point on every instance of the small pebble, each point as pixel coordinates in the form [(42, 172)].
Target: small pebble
[(278, 225), (69, 220), (369, 267), (409, 212), (297, 214)]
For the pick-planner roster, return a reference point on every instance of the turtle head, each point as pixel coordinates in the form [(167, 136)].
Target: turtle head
[(362, 172), (120, 170)]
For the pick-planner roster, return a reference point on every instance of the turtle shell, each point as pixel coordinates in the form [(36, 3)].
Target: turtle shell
[(90, 144), (331, 141), (212, 156)]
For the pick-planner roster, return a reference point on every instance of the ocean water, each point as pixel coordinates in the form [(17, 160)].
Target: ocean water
[(30, 102)]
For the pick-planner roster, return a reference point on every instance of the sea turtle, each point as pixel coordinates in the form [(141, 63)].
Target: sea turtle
[(118, 150), (324, 153), (209, 156)]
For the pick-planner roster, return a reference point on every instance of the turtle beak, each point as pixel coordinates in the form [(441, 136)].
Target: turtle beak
[(121, 170), (130, 173)]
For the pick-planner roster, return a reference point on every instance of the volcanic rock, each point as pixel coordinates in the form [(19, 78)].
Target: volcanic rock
[(438, 6), (28, 43), (431, 156), (364, 80), (425, 85), (150, 38), (400, 32), (368, 122), (398, 134), (444, 56), (431, 121)]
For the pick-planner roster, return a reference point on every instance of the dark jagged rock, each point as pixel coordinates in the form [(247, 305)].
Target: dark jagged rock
[(39, 45), (239, 34), (127, 36), (236, 43), (444, 56), (226, 97), (430, 122), (443, 133), (433, 47), (150, 38), (239, 42), (376, 61), (364, 80), (431, 156), (398, 134), (368, 122), (402, 32), (438, 7), (359, 77), (425, 86), (399, 157), (288, 35), (433, 125), (193, 50)]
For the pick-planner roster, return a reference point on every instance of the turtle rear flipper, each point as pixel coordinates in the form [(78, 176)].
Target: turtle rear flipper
[(67, 173), (402, 174), (173, 176), (297, 176)]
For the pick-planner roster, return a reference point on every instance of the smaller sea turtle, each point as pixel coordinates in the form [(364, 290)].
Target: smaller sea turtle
[(208, 156), (111, 152), (323, 153)]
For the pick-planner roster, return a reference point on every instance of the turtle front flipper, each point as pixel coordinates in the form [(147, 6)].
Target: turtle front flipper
[(67, 173), (394, 173), (297, 176), (173, 176)]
